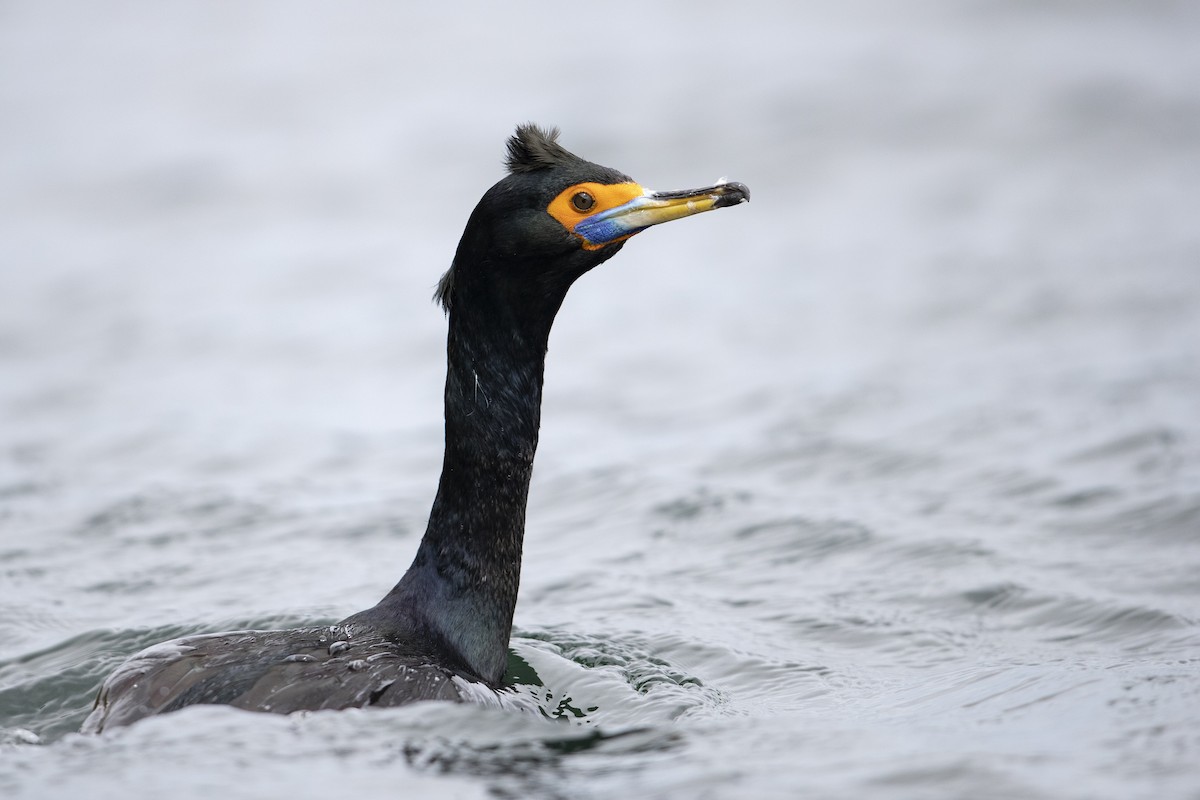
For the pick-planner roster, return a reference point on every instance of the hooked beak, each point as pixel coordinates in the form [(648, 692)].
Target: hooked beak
[(652, 208)]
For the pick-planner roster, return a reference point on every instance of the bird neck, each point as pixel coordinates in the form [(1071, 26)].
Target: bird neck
[(461, 589)]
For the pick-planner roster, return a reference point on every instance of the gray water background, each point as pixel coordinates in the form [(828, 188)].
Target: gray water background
[(885, 485)]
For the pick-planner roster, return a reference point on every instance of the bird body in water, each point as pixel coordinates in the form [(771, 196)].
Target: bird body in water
[(442, 632)]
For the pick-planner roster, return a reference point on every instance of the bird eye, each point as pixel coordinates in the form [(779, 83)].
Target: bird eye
[(582, 201)]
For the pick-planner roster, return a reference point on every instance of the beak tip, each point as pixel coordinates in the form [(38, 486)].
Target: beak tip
[(732, 194)]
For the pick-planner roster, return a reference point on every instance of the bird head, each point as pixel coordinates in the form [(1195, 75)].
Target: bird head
[(555, 216)]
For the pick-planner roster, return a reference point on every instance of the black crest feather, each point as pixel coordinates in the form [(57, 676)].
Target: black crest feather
[(532, 148), (445, 290)]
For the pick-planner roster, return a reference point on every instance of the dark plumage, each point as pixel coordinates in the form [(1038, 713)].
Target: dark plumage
[(534, 156), (532, 148), (442, 632)]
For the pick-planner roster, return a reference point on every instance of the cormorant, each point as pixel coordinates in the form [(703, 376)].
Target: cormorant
[(442, 632)]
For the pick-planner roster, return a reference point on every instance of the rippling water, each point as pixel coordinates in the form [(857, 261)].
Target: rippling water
[(885, 485)]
